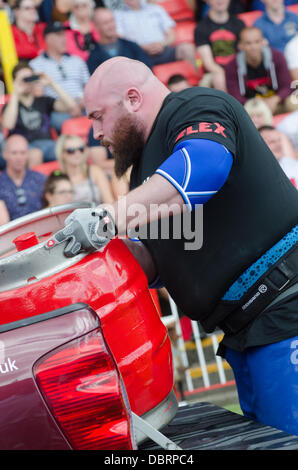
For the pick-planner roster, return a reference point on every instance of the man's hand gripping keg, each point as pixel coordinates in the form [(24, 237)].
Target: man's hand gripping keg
[(86, 229)]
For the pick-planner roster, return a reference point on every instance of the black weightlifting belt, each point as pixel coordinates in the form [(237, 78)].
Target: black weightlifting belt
[(282, 275)]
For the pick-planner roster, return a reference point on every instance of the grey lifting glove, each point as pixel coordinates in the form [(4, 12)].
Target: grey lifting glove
[(86, 229)]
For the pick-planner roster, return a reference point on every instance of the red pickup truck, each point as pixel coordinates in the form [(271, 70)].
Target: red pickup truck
[(82, 346), (85, 360)]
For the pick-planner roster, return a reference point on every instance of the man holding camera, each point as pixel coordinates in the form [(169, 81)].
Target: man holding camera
[(29, 114)]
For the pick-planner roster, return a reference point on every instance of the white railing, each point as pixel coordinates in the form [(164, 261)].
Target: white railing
[(199, 347)]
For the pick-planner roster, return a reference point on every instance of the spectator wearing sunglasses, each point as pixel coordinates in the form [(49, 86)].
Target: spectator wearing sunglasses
[(57, 190), (89, 182), (21, 189), (70, 72), (30, 115)]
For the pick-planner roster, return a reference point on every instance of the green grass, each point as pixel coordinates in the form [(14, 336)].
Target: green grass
[(235, 408)]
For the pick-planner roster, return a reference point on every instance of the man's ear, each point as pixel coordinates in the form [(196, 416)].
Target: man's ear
[(134, 98)]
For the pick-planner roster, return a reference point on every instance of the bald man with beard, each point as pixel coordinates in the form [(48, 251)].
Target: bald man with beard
[(199, 149)]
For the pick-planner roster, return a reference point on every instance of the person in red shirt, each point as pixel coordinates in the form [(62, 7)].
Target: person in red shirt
[(81, 35), (27, 31)]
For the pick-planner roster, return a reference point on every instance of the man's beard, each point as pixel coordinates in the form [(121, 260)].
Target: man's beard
[(128, 143)]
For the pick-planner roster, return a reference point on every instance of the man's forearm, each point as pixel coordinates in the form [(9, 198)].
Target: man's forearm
[(147, 203), (10, 114), (68, 102)]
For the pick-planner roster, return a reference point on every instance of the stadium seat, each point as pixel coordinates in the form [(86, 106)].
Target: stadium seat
[(184, 31), (293, 8), (179, 10), (165, 71), (249, 17), (79, 126), (47, 167)]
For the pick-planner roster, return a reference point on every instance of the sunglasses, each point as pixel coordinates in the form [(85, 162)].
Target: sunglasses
[(72, 150), (21, 196)]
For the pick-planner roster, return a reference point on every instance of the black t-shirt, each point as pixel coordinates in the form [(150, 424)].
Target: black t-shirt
[(33, 122), (222, 38), (253, 210), (258, 82)]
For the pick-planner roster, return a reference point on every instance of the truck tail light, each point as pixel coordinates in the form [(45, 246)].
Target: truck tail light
[(84, 391)]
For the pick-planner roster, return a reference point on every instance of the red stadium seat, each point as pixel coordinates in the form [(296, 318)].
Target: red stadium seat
[(293, 8), (185, 32), (79, 126), (47, 167), (179, 10), (249, 17), (165, 71)]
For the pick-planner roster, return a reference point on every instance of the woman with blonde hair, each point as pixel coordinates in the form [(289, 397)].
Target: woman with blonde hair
[(89, 181), (259, 112)]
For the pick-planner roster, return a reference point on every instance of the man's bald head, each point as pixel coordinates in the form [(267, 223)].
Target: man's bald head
[(124, 80), (123, 98), (115, 76), (16, 153)]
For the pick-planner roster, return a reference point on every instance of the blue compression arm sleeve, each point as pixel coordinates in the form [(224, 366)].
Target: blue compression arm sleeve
[(197, 168)]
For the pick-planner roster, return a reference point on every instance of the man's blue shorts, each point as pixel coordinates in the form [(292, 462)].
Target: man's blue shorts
[(267, 383)]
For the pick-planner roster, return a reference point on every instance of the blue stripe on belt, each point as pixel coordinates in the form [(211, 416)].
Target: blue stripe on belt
[(256, 270)]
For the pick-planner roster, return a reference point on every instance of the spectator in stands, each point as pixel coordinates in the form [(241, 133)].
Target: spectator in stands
[(282, 150), (89, 181), (178, 82), (259, 112), (109, 44), (20, 188), (68, 71), (201, 8), (150, 26), (57, 190), (29, 115), (277, 23), (291, 55), (27, 31), (216, 38), (259, 4), (258, 70), (82, 35), (289, 126)]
